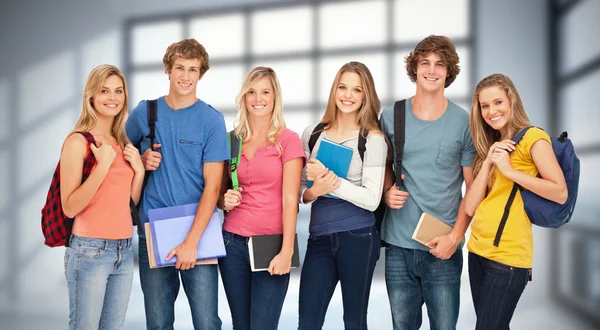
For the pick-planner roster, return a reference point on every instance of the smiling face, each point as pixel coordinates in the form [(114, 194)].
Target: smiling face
[(184, 76), (260, 98), (495, 107), (431, 73), (111, 98), (349, 93)]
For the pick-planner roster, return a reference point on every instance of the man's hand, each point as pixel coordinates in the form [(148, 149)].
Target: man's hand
[(151, 159), (395, 198), (443, 247), (186, 255)]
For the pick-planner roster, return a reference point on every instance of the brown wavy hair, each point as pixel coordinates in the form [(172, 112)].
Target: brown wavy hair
[(188, 49), (440, 45)]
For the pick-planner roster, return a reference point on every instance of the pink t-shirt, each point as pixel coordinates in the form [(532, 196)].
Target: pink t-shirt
[(261, 178)]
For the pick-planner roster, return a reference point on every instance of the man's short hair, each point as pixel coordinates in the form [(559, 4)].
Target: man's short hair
[(188, 49), (440, 45)]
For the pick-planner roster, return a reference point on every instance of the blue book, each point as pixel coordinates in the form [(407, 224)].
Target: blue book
[(170, 226), (334, 156)]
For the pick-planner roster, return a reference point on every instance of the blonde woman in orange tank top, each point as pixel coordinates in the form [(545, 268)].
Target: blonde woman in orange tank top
[(99, 259)]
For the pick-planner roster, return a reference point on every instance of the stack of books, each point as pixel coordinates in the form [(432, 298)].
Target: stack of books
[(168, 228)]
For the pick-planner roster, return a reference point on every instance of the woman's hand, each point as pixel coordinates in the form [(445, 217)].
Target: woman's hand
[(326, 182), (132, 155), (313, 169), (508, 145), (232, 198)]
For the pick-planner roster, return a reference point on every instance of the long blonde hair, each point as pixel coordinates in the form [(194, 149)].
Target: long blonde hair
[(368, 113), (483, 134), (88, 117), (241, 124)]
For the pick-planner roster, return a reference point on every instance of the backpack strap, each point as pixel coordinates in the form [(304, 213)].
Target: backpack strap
[(235, 148), (511, 197), (152, 114), (314, 136), (362, 143), (399, 137)]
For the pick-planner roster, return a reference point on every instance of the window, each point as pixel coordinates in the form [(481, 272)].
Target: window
[(305, 43)]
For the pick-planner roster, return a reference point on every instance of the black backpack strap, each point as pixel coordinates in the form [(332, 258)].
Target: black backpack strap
[(511, 199), (399, 136), (314, 136), (152, 116), (362, 143)]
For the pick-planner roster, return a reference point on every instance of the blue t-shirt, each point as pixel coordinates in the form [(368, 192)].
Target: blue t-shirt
[(189, 137), (434, 153)]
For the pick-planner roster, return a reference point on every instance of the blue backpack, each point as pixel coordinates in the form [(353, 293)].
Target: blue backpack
[(543, 212)]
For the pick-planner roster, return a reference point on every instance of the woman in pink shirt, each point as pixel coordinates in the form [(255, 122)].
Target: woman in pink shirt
[(269, 172), (99, 256)]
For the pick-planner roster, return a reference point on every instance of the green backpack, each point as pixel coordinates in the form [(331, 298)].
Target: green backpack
[(235, 147)]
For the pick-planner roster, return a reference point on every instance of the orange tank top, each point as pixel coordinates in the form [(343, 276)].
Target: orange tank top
[(108, 215)]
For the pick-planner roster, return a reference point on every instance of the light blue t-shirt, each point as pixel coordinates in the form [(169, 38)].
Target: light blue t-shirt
[(189, 137), (434, 153)]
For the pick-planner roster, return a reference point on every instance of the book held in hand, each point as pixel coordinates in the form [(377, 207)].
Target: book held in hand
[(334, 156), (430, 227), (169, 227), (152, 257), (264, 248)]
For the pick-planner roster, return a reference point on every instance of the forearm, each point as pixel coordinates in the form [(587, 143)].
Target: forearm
[(206, 208), (462, 222), (289, 219), (389, 177), (309, 195), (136, 187), (539, 186), (477, 191), (82, 196)]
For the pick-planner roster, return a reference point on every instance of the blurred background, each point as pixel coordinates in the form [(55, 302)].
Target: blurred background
[(549, 48)]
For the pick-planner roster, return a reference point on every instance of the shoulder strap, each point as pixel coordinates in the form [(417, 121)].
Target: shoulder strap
[(520, 135), (314, 136), (399, 132), (235, 147), (509, 202), (362, 142), (152, 114)]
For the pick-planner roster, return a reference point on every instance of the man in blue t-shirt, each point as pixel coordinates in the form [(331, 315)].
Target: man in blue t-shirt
[(437, 158), (187, 166)]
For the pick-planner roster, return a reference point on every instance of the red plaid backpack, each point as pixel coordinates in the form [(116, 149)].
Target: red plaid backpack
[(56, 226)]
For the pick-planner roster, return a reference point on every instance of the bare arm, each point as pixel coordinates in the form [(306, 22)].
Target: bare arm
[(463, 219), (74, 195), (551, 185), (213, 174), (224, 186), (478, 189)]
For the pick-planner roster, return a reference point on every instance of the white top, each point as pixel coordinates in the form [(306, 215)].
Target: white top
[(363, 185)]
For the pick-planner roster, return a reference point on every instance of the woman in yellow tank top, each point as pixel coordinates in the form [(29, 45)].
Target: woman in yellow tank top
[(99, 259), (498, 273)]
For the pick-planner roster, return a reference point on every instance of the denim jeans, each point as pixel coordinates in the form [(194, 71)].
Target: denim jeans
[(496, 289), (255, 298), (99, 275), (348, 257), (161, 287), (414, 277)]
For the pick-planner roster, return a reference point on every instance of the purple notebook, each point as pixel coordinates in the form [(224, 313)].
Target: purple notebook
[(170, 226)]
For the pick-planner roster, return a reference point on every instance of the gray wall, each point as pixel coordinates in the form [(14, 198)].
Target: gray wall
[(48, 47)]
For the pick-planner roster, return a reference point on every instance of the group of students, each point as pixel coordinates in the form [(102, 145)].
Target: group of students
[(445, 147)]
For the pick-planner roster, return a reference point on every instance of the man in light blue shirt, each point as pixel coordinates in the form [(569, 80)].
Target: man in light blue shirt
[(438, 156)]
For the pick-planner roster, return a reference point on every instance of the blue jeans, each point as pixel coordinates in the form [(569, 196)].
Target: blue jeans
[(348, 257), (414, 277), (161, 287), (255, 298), (99, 275), (496, 289)]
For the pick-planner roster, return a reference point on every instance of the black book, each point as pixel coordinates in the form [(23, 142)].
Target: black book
[(264, 248)]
